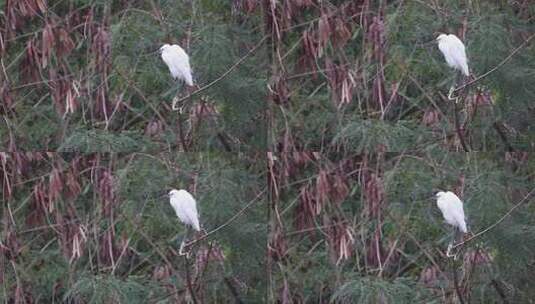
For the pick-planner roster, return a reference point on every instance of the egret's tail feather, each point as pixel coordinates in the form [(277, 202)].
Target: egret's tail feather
[(189, 80), (462, 227), (196, 226), (466, 72)]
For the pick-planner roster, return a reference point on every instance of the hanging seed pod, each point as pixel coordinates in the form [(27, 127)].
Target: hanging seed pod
[(431, 117), (55, 188), (31, 62), (47, 43), (64, 43), (101, 48), (324, 31)]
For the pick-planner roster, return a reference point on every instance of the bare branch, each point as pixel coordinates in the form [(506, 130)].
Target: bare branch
[(498, 222), (235, 65), (526, 42), (233, 218)]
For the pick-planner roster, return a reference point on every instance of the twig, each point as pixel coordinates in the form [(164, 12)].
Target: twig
[(456, 282), (136, 227), (233, 290), (224, 142), (500, 291), (498, 66), (503, 137), (235, 65), (181, 135), (457, 127), (188, 280), (498, 222), (140, 93), (234, 217), (425, 93)]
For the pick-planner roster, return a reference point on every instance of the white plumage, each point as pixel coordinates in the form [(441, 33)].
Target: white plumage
[(452, 209), (185, 207), (178, 62), (453, 50)]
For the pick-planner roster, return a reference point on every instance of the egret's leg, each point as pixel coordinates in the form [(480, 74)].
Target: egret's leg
[(450, 94), (456, 239), (183, 243), (450, 245), (176, 98), (458, 78), (456, 83)]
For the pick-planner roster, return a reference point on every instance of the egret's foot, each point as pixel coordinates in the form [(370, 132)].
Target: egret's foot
[(181, 249), (450, 93), (448, 251), (173, 106)]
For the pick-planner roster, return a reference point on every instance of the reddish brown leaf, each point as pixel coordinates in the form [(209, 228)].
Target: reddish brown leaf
[(41, 4), (305, 212), (153, 128), (280, 94), (477, 256), (31, 62), (322, 189), (340, 239), (308, 54), (324, 31), (2, 44), (342, 32), (106, 191), (431, 117), (6, 95), (302, 3), (101, 48), (47, 44), (64, 44), (429, 276), (277, 247)]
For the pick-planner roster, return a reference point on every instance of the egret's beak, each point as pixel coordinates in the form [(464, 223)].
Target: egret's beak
[(428, 43), (152, 52)]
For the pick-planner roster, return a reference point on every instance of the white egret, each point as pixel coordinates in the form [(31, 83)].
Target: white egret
[(454, 52), (185, 208), (453, 212), (178, 62), (452, 209)]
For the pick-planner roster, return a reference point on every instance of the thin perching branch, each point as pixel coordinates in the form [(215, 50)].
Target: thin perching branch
[(188, 281), (498, 222), (498, 66), (235, 65), (458, 128), (233, 218)]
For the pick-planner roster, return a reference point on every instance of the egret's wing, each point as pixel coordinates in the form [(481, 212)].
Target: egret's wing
[(169, 58), (176, 204), (181, 62), (458, 52), (457, 45), (457, 210), (456, 203), (445, 47), (189, 207), (441, 205)]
